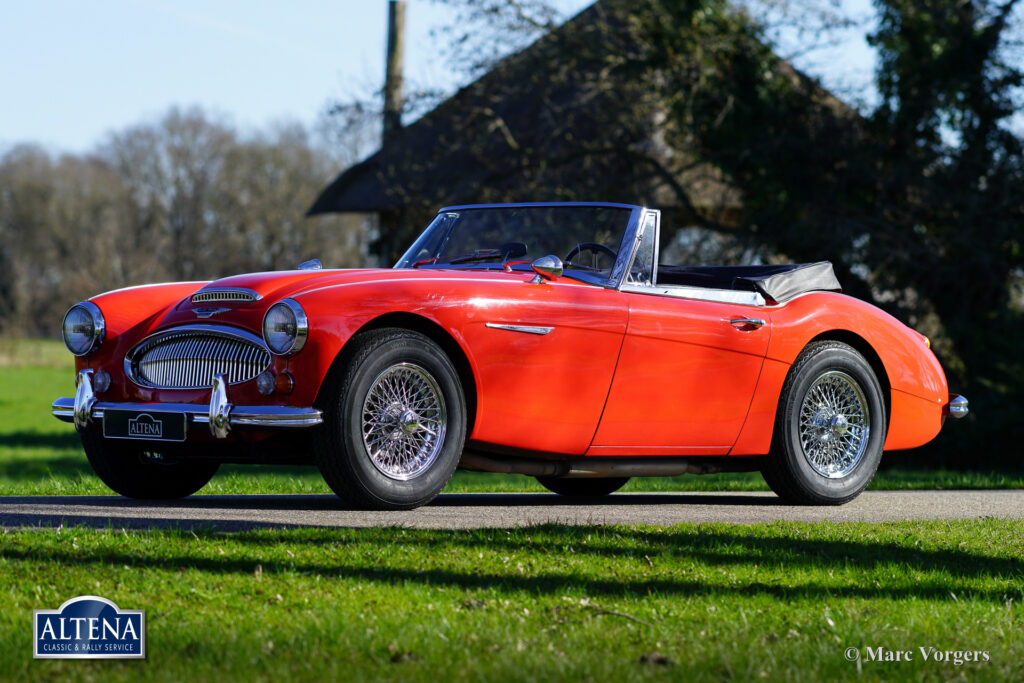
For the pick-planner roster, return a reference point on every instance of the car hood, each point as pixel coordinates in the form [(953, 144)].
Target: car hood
[(278, 284), (271, 287)]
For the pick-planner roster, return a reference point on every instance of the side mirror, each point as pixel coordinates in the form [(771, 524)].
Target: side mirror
[(547, 268)]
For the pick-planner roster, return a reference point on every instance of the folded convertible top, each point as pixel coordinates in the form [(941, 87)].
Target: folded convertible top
[(779, 283)]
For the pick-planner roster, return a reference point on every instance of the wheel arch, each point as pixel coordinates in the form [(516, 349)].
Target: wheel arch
[(864, 348), (437, 334), (758, 430)]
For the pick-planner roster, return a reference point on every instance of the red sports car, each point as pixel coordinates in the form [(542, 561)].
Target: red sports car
[(543, 339)]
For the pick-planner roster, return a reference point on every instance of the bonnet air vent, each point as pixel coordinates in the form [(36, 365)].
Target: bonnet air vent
[(225, 294)]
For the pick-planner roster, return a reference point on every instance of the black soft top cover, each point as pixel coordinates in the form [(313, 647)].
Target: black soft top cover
[(779, 283)]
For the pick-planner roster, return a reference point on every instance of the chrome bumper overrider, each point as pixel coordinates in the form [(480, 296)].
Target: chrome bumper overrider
[(220, 415), (957, 406)]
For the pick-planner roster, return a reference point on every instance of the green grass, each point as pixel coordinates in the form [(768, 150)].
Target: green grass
[(42, 456), (710, 602), (780, 601)]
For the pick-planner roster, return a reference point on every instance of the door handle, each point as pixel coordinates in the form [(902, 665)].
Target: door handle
[(753, 322)]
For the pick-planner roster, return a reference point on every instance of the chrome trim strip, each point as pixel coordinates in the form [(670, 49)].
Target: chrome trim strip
[(240, 416), (630, 241), (519, 205), (528, 329), (726, 296), (225, 294)]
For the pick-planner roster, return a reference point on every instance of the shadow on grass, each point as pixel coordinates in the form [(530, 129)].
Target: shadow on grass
[(34, 469), (771, 561), (26, 439)]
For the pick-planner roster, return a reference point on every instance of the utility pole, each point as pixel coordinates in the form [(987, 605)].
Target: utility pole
[(393, 73)]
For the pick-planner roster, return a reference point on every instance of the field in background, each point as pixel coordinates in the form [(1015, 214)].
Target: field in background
[(40, 455)]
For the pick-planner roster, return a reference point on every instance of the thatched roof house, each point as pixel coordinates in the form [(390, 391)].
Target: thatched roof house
[(572, 117)]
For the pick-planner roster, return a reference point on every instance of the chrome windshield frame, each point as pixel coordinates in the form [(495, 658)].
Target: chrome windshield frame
[(627, 246)]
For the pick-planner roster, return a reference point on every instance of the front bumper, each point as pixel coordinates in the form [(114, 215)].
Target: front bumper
[(220, 415)]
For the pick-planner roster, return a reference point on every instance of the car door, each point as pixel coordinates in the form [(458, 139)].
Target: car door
[(544, 356), (686, 374)]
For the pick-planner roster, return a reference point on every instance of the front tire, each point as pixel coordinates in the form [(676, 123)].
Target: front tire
[(829, 429), (582, 488), (394, 422), (135, 471)]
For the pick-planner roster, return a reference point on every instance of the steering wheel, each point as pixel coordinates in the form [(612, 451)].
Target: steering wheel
[(595, 247)]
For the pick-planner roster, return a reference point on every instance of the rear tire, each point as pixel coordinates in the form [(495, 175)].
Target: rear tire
[(394, 422), (830, 428), (137, 471), (582, 488)]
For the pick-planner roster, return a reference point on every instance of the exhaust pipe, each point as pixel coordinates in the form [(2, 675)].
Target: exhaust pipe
[(602, 467)]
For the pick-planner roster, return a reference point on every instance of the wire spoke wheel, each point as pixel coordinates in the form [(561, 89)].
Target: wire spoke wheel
[(404, 421), (835, 424)]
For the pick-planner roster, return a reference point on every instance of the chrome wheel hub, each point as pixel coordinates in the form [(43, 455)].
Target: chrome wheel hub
[(403, 421), (835, 424)]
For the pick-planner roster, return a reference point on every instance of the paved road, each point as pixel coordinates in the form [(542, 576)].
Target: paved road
[(473, 510)]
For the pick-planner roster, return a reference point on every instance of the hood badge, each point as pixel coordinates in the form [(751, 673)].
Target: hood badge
[(208, 312)]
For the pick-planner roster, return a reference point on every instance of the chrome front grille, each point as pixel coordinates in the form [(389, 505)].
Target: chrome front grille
[(188, 358), (224, 294)]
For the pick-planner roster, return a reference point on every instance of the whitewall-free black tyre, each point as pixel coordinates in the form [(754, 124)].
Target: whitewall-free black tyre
[(394, 421), (829, 429), (136, 470)]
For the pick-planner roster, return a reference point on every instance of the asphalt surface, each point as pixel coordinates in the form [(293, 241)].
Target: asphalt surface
[(477, 510)]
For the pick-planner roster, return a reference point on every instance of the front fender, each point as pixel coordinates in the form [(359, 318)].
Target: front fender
[(130, 314), (918, 389)]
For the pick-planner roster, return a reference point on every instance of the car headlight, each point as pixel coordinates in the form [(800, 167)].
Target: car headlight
[(83, 328), (285, 327)]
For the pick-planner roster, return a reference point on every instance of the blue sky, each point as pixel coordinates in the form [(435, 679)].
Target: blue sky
[(72, 71)]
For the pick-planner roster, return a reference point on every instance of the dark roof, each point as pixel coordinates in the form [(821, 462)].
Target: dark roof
[(518, 133)]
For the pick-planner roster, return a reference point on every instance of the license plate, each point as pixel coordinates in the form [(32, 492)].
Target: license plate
[(147, 425)]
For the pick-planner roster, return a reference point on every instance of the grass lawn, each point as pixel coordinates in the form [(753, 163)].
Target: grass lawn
[(781, 601), (40, 455), (691, 602)]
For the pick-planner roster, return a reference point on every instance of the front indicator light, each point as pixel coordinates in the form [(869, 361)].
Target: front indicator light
[(285, 383), (100, 381), (265, 383)]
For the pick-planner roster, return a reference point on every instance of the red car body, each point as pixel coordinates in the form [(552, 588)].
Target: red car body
[(616, 378), (624, 372)]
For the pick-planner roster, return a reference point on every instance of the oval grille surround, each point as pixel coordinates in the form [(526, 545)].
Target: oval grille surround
[(189, 360)]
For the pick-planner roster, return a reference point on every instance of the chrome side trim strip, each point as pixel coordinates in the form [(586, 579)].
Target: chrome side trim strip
[(725, 296), (528, 329)]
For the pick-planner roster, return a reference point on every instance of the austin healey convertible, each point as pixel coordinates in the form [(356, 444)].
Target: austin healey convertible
[(543, 339)]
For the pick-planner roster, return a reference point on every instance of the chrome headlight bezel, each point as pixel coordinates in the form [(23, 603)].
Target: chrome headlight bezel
[(99, 328), (299, 320)]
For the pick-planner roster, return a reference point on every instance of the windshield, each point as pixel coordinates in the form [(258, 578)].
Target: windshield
[(586, 238)]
